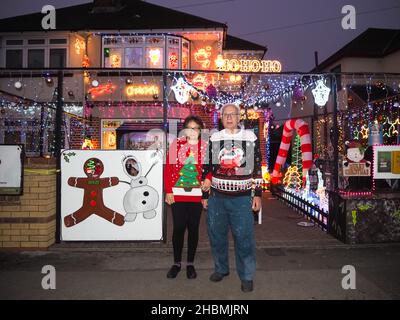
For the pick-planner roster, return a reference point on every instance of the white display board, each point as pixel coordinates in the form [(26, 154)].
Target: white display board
[(11, 166), (387, 162), (111, 195)]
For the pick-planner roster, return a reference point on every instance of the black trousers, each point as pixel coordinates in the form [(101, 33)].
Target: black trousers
[(186, 215)]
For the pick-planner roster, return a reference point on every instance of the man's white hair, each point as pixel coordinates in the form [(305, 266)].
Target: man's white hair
[(230, 104)]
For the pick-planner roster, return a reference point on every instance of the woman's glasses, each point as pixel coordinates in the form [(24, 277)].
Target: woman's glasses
[(193, 128)]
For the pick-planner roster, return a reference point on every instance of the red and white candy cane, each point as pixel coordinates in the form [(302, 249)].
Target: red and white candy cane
[(305, 144)]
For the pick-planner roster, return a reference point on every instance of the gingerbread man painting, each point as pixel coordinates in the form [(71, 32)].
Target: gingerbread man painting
[(93, 187)]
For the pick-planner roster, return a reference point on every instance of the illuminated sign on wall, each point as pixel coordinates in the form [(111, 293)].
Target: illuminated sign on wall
[(202, 56), (202, 80), (79, 46), (141, 90), (244, 65), (102, 89)]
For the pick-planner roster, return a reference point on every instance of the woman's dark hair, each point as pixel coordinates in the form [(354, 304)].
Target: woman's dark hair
[(195, 119)]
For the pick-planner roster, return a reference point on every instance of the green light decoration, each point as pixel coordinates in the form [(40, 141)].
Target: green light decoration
[(188, 173), (296, 154), (354, 217)]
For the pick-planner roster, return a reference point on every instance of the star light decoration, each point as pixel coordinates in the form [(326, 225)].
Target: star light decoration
[(321, 93), (181, 90)]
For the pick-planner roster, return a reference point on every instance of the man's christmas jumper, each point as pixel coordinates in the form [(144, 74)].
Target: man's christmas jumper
[(234, 161)]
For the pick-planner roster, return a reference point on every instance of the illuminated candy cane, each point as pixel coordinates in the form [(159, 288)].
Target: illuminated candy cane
[(305, 142)]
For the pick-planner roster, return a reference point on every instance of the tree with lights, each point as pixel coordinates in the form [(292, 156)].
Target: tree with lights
[(292, 178), (188, 173)]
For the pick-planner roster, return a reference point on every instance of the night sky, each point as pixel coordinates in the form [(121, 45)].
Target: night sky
[(292, 30)]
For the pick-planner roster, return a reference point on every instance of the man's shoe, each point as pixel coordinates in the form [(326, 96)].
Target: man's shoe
[(247, 285), (215, 277), (191, 272), (173, 272)]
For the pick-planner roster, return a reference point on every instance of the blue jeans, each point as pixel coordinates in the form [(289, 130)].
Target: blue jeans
[(226, 211)]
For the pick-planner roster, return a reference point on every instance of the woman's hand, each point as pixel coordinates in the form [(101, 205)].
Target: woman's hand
[(169, 198), (206, 185), (204, 202), (256, 204)]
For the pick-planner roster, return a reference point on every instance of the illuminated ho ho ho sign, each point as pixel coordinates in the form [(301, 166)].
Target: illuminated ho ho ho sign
[(244, 65)]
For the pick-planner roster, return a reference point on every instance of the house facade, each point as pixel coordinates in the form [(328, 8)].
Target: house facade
[(124, 45)]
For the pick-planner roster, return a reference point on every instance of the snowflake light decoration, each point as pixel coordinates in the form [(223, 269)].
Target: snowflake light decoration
[(321, 93)]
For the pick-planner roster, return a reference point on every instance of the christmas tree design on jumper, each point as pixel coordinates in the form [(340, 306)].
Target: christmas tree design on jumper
[(188, 175)]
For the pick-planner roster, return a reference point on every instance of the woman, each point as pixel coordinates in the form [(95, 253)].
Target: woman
[(182, 179)]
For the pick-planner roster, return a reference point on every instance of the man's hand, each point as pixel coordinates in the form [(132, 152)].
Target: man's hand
[(206, 185), (204, 202), (256, 204), (169, 198)]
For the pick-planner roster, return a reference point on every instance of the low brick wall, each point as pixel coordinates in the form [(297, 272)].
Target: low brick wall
[(29, 221)]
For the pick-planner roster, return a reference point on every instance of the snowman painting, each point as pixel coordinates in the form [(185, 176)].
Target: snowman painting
[(140, 198)]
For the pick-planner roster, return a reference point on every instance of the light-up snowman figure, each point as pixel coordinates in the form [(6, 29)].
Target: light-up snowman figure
[(141, 198)]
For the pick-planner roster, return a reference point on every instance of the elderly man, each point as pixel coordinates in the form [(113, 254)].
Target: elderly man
[(234, 165)]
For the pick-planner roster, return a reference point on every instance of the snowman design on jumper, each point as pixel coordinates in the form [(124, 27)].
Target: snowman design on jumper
[(141, 198)]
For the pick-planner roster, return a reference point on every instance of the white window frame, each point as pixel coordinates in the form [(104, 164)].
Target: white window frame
[(124, 45), (25, 47)]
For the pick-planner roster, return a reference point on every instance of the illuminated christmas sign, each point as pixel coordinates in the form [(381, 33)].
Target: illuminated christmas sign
[(202, 80), (141, 90), (244, 65), (79, 45), (102, 89), (202, 56), (251, 114)]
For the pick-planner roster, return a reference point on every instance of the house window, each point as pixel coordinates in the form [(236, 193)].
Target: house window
[(134, 57), (36, 58), (113, 57), (58, 41), (36, 42), (144, 51), (36, 53), (58, 58), (14, 42), (14, 58), (154, 57), (185, 54)]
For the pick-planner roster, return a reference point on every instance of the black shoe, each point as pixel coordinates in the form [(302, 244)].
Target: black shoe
[(215, 277), (247, 285), (191, 272), (173, 272)]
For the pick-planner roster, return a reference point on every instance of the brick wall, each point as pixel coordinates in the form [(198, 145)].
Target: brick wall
[(77, 132), (29, 221)]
